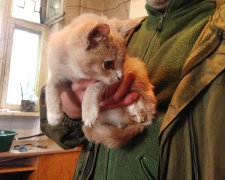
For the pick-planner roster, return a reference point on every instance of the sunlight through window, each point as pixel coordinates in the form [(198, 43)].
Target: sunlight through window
[(27, 9), (23, 66)]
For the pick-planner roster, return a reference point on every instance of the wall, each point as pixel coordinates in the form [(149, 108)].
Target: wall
[(118, 8), (137, 8), (23, 125), (110, 8)]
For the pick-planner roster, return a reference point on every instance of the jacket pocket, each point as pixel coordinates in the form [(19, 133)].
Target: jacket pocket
[(149, 167)]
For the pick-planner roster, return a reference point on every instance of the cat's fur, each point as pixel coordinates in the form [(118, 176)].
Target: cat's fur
[(87, 48)]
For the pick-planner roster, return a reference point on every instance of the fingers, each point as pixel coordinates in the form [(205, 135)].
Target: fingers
[(72, 98), (121, 96), (124, 86), (110, 90), (127, 100)]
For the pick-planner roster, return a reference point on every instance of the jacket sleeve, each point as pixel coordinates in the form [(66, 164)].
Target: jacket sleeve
[(68, 134)]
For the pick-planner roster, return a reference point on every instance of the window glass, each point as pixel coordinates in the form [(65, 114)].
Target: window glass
[(54, 7), (27, 9), (23, 66)]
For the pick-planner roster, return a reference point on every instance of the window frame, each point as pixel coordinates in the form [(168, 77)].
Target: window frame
[(55, 18)]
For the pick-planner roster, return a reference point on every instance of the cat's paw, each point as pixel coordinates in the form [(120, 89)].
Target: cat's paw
[(142, 111), (136, 110), (54, 119), (90, 117)]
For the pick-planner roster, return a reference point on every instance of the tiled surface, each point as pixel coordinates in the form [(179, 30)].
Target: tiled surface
[(121, 12), (117, 8), (73, 2), (110, 8), (5, 122), (94, 4), (109, 4), (71, 13), (90, 10), (24, 126)]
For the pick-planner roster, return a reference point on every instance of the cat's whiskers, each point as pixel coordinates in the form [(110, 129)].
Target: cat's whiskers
[(115, 79), (105, 90)]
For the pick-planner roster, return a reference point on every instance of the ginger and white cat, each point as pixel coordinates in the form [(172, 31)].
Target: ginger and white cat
[(94, 47)]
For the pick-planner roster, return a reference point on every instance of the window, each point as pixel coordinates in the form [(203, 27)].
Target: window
[(54, 7), (52, 11), (27, 9), (23, 65)]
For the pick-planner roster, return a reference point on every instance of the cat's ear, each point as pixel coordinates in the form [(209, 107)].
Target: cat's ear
[(98, 34), (125, 26)]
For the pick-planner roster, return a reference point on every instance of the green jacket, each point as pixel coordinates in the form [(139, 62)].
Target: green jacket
[(189, 85)]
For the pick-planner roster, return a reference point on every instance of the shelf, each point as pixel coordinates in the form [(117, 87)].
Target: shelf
[(19, 113), (10, 169)]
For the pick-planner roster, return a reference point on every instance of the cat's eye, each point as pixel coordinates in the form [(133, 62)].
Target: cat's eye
[(108, 64)]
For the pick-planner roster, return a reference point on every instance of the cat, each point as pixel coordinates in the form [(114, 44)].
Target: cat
[(93, 47)]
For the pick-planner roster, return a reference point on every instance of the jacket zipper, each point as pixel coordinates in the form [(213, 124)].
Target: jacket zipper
[(160, 25), (157, 30)]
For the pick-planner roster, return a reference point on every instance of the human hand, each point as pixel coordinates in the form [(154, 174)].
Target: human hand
[(119, 94), (72, 98), (116, 95)]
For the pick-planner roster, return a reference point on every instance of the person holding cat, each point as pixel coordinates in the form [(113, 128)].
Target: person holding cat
[(182, 43)]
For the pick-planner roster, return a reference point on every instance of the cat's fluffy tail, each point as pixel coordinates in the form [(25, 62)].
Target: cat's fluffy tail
[(112, 136)]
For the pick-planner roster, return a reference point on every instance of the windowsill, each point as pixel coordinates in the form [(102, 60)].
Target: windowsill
[(19, 113)]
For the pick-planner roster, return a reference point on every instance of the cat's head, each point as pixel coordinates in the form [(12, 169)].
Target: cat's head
[(99, 48)]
